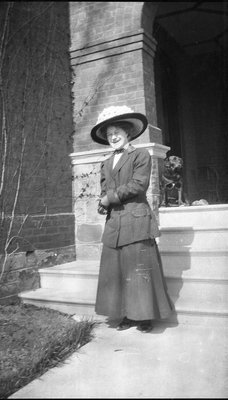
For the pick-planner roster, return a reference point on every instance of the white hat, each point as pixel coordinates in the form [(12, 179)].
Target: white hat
[(118, 113)]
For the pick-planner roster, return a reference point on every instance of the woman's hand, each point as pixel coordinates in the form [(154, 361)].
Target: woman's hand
[(104, 201), (103, 205)]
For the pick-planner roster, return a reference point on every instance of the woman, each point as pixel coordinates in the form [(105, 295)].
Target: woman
[(131, 284)]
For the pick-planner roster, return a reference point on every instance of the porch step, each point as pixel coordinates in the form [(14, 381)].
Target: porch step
[(79, 277), (71, 304), (72, 287), (191, 238), (189, 263), (194, 251), (82, 280), (215, 215), (199, 292), (195, 291), (61, 300)]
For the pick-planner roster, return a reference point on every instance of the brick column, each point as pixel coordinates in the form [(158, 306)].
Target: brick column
[(112, 62), (112, 52)]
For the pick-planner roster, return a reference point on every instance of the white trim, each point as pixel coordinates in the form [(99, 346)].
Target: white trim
[(206, 207), (156, 150)]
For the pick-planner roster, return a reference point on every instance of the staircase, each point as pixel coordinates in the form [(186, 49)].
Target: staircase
[(194, 251)]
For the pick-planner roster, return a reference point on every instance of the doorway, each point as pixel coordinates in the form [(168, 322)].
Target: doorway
[(191, 84)]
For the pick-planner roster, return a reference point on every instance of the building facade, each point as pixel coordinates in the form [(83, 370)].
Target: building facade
[(168, 61), (62, 64)]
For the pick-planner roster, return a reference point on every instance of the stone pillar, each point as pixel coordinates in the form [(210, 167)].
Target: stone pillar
[(86, 190)]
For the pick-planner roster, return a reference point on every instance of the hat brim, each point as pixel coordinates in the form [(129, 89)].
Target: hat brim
[(139, 122)]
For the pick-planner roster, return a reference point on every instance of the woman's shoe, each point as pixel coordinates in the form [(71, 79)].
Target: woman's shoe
[(145, 326), (125, 324)]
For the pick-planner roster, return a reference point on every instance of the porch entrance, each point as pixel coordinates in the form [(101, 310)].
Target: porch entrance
[(191, 83)]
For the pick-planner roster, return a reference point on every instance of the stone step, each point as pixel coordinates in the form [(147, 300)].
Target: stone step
[(192, 263), (176, 262), (81, 278), (193, 246), (60, 300), (215, 215), (77, 267), (200, 315), (68, 303), (199, 291), (186, 238)]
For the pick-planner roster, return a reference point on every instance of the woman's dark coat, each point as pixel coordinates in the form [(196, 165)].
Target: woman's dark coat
[(131, 281), (130, 218)]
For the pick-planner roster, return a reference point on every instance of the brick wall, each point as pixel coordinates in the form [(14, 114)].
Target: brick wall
[(38, 103), (112, 59), (37, 100)]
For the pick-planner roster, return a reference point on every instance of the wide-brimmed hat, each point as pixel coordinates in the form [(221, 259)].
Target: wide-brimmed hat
[(114, 114)]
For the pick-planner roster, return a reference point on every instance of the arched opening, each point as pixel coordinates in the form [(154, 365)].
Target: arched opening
[(191, 85)]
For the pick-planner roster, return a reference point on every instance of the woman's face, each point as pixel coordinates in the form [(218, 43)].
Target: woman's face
[(117, 137)]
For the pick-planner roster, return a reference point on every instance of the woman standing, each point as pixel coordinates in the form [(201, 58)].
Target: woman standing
[(131, 284)]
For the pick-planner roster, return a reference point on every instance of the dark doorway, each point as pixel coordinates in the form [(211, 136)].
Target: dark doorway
[(167, 97), (191, 84)]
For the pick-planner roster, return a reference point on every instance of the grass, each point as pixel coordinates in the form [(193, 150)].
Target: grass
[(34, 339)]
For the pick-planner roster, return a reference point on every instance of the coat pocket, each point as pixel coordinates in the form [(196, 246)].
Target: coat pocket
[(140, 212), (135, 225)]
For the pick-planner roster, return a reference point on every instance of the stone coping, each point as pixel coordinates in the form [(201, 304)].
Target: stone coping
[(156, 150), (207, 207)]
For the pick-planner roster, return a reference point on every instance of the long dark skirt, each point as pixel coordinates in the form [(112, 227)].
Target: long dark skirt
[(131, 283)]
